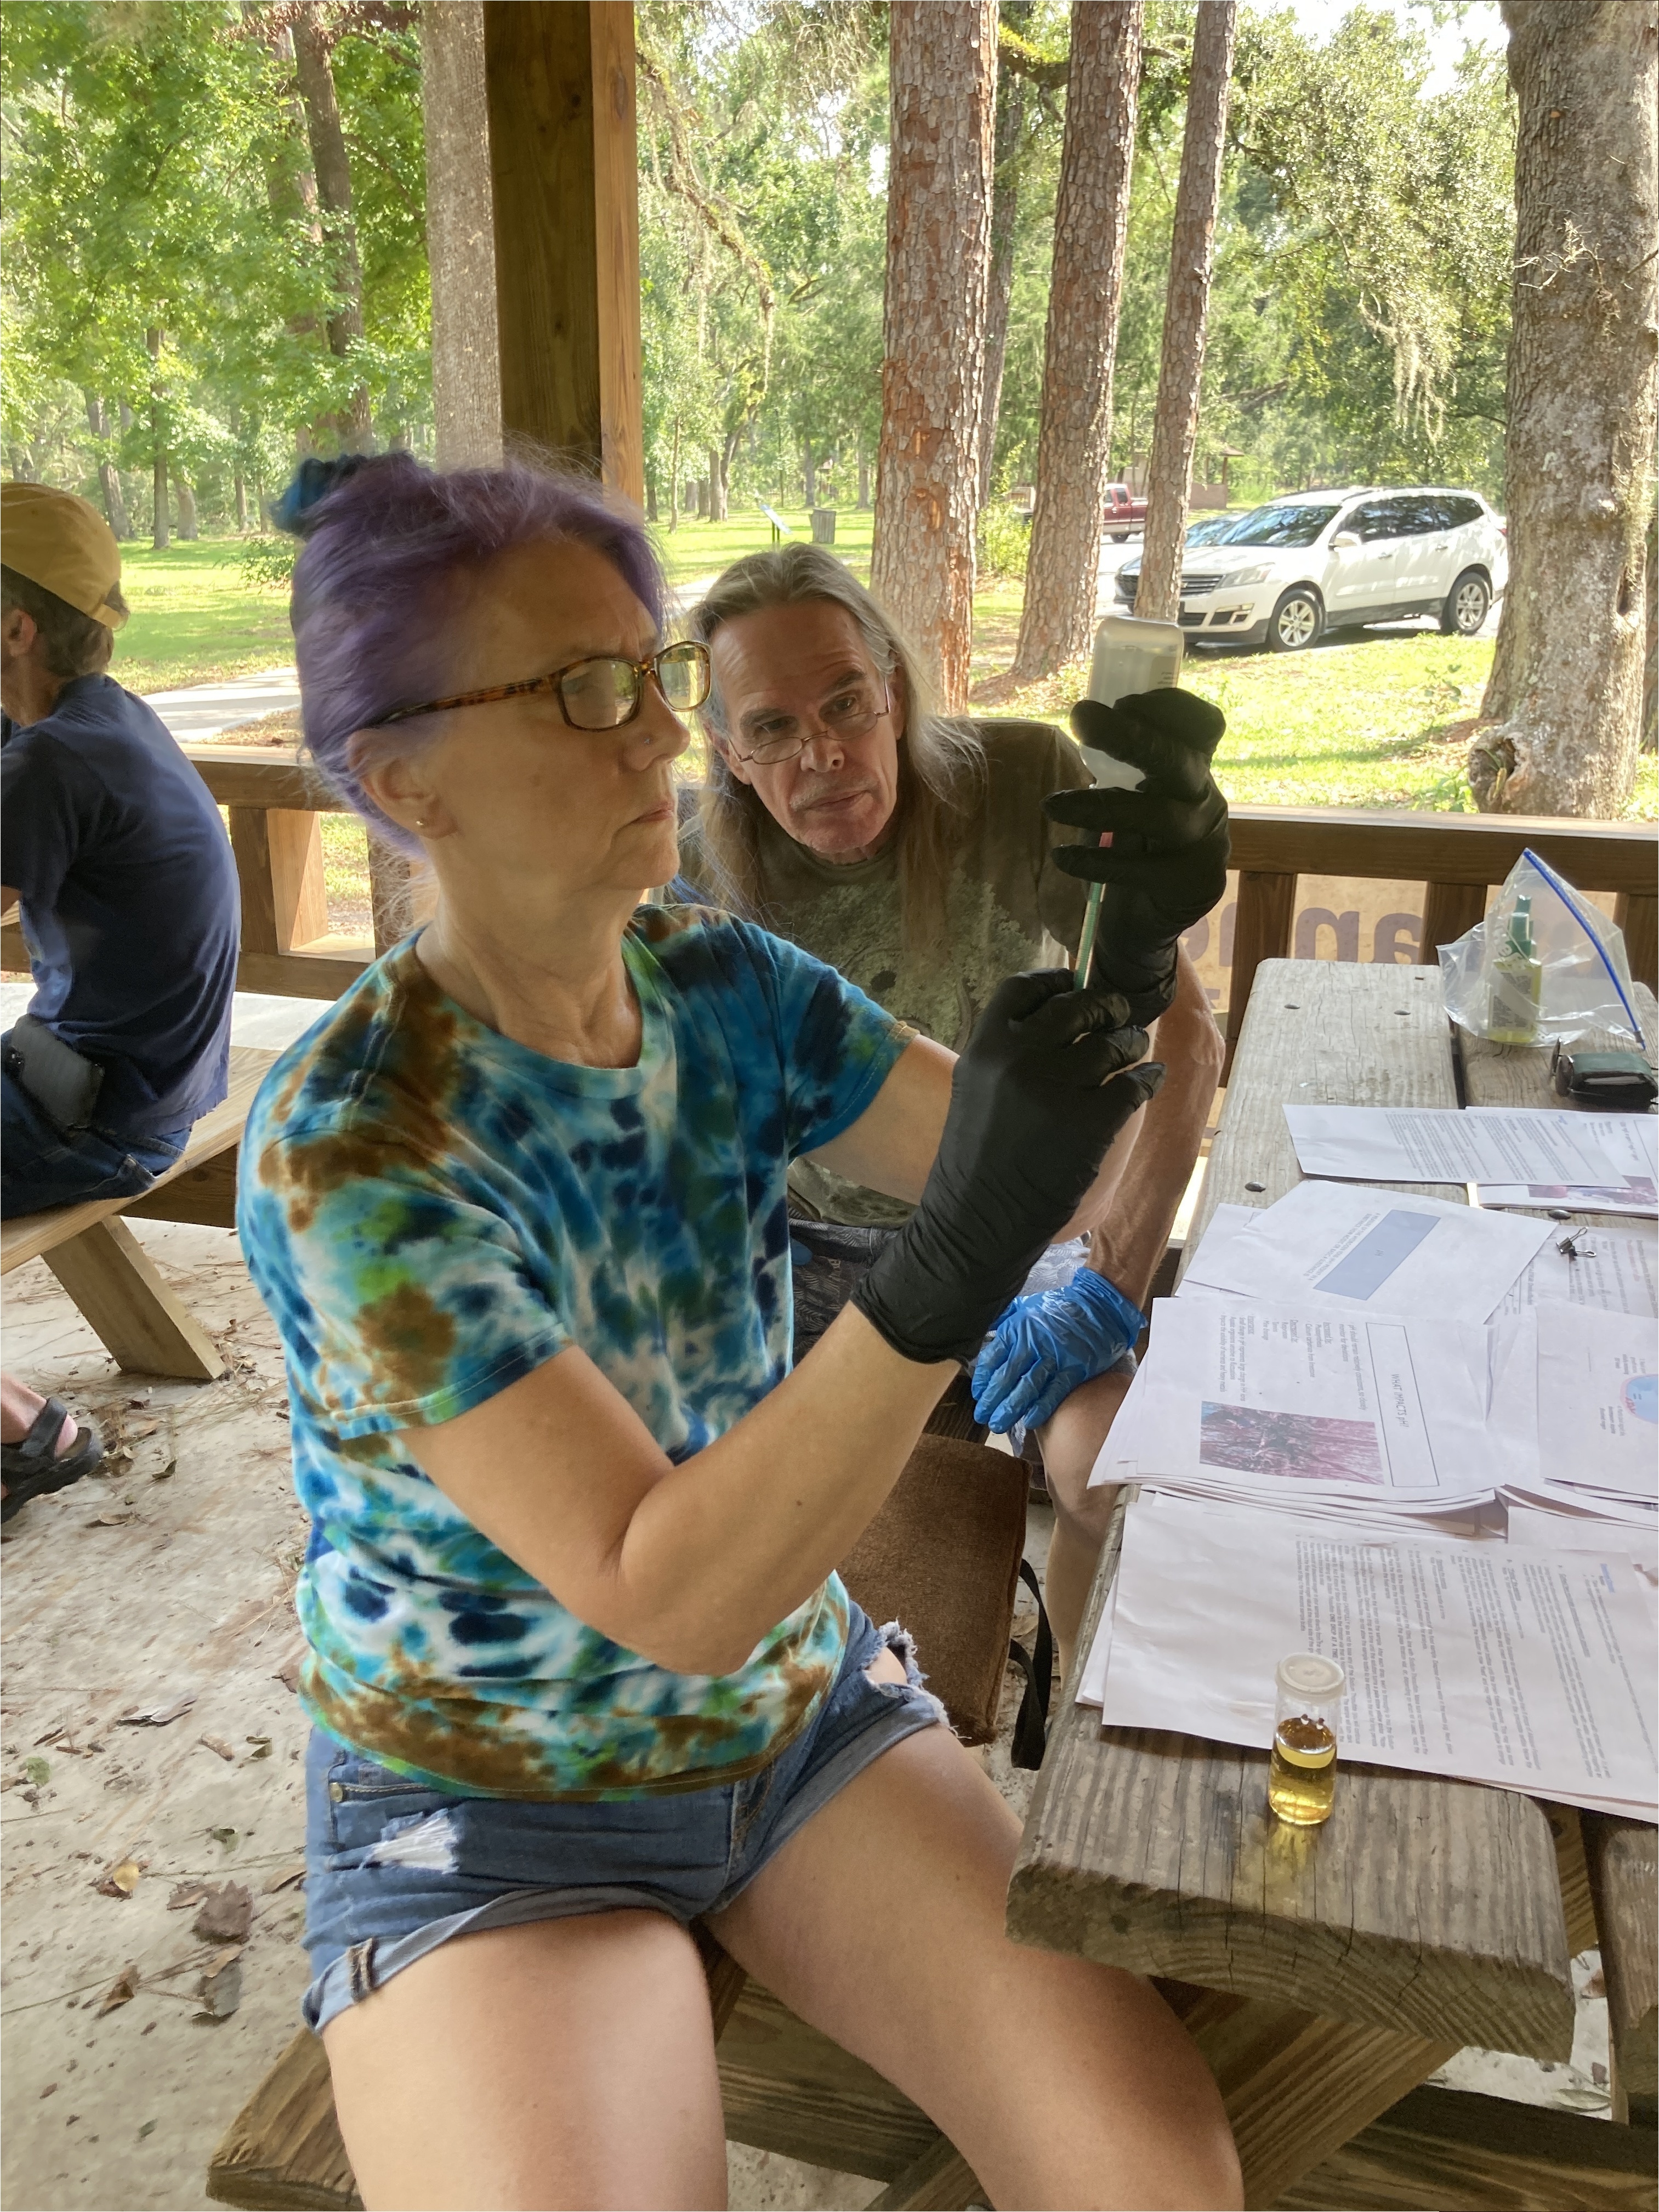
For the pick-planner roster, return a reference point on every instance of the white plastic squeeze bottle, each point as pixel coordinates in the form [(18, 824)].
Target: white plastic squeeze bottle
[(1130, 656)]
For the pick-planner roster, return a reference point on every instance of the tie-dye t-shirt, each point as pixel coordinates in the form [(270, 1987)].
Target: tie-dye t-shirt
[(431, 1210)]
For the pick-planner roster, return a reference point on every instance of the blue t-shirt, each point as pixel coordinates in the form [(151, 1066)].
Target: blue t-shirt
[(432, 1211), (129, 902)]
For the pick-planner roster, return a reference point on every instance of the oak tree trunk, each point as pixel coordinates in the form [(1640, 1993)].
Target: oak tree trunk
[(942, 80), (716, 484), (1561, 717), (1007, 150), (109, 484), (460, 237), (160, 535), (1186, 310), (333, 167), (1074, 439), (187, 499)]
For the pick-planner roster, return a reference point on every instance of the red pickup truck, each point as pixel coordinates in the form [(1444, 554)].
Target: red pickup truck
[(1121, 512)]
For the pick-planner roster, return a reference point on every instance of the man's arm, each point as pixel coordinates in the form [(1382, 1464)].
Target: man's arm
[(1131, 1241)]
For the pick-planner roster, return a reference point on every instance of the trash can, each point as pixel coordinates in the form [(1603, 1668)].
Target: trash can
[(823, 525)]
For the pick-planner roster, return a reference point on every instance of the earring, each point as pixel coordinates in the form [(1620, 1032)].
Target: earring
[(422, 821)]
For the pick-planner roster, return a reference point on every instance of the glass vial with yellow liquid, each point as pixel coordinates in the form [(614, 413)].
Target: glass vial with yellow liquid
[(1302, 1772)]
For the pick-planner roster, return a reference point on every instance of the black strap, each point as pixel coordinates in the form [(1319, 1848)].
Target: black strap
[(1037, 1666)]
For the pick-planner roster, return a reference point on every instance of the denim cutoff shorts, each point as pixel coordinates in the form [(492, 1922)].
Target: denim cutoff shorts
[(394, 1868)]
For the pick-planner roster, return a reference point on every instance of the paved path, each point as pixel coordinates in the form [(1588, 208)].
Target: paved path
[(205, 709)]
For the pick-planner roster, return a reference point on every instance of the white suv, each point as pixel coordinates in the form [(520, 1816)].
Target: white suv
[(1283, 573)]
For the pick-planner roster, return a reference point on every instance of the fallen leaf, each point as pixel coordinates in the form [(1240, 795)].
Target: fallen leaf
[(110, 1520), (222, 1991), (121, 1881), (261, 1746), (217, 1743), (51, 1734), (137, 1431), (160, 1716), (228, 1837), (186, 1894), (220, 1960), (37, 1771), (50, 2089), (148, 2129), (226, 1915), (121, 1991), (160, 1473), (284, 1877)]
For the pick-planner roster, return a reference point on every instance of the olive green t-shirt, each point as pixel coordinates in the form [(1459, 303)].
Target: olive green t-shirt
[(1006, 909)]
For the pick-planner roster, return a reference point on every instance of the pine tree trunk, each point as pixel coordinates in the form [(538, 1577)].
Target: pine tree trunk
[(864, 477), (942, 74), (651, 512), (1085, 293), (716, 485), (674, 479), (467, 370), (1004, 216), (1562, 710), (239, 488), (1186, 311), (332, 166)]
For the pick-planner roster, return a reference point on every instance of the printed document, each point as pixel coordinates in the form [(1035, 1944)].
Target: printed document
[(1434, 1144), (1234, 1397), (1598, 1401), (1347, 1249), (1599, 1267), (1537, 1671), (1631, 1141)]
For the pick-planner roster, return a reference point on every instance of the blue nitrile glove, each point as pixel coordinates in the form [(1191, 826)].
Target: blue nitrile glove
[(1044, 1345)]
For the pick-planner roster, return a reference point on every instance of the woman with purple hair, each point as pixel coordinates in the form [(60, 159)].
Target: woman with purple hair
[(580, 1666)]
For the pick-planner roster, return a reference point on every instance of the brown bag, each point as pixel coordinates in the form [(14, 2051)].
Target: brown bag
[(942, 1558)]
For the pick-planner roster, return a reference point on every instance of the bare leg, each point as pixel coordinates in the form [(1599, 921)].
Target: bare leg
[(19, 1409), (568, 2063), (1061, 2082)]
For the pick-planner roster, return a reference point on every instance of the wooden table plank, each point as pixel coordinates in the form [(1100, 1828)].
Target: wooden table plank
[(1426, 1906)]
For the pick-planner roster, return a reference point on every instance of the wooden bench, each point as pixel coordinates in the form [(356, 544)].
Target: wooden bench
[(101, 1264)]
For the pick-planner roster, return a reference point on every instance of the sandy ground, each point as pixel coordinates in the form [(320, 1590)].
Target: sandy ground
[(168, 1576)]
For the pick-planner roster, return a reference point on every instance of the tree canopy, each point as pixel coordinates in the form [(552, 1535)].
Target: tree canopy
[(171, 279)]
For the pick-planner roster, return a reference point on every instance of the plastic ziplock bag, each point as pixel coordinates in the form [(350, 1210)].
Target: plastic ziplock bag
[(1582, 973)]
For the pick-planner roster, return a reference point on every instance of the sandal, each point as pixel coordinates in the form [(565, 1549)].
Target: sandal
[(34, 1469)]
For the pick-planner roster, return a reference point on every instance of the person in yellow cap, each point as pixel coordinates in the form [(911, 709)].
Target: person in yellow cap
[(114, 854)]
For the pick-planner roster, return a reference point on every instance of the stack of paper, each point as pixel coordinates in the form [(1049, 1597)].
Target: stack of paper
[(1488, 1145), (1241, 1400), (1630, 1141), (1534, 1670)]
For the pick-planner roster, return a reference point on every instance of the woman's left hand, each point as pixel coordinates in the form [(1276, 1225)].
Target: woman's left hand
[(1049, 1343)]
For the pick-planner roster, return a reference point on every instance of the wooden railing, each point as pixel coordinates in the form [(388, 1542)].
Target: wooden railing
[(274, 803)]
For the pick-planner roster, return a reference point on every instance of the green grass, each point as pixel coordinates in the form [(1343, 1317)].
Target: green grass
[(1365, 719), (697, 549), (194, 620)]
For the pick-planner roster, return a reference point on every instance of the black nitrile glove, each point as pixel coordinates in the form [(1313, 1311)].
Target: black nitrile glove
[(1166, 866), (1031, 1114)]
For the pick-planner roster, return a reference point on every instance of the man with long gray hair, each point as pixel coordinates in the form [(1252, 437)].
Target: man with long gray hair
[(913, 854)]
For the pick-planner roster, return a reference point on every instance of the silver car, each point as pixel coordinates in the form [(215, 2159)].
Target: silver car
[(1284, 572)]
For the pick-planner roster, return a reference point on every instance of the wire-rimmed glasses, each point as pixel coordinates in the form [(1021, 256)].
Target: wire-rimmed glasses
[(853, 713), (600, 693)]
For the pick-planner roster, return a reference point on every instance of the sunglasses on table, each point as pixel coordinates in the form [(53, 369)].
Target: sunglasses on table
[(600, 693)]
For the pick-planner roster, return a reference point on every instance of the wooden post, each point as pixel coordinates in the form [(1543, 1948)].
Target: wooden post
[(460, 239), (559, 84), (279, 862)]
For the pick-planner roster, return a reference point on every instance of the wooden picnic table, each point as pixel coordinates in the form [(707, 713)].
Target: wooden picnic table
[(1326, 1973)]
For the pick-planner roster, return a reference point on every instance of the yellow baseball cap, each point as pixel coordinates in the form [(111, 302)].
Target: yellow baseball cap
[(64, 544)]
